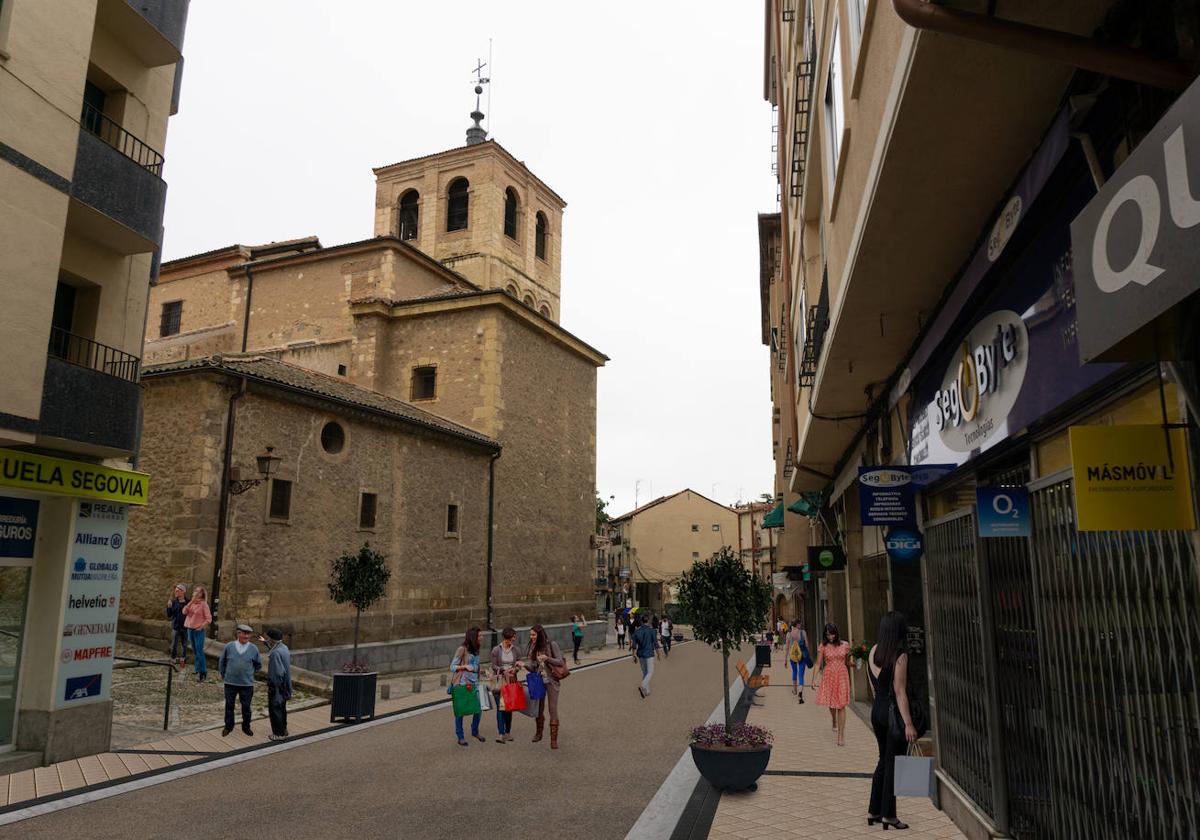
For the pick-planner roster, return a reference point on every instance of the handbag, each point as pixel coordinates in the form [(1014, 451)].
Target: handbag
[(918, 713), (536, 685), (558, 672), (913, 775), (512, 695), (465, 700)]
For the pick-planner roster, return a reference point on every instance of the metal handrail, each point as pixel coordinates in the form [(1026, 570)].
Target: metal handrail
[(94, 121), (92, 354), (170, 666)]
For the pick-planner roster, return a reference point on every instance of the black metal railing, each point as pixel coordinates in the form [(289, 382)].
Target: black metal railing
[(170, 666), (95, 122), (92, 354)]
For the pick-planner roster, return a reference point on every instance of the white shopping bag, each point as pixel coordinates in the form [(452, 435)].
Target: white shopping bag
[(485, 696), (914, 774)]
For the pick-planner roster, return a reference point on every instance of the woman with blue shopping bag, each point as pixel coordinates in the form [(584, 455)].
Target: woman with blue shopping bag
[(464, 685), (547, 667)]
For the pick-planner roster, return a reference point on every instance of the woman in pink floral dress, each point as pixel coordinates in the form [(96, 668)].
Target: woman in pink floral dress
[(834, 690)]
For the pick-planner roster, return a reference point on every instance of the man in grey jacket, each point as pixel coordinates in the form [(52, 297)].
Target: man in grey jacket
[(279, 682), (238, 663)]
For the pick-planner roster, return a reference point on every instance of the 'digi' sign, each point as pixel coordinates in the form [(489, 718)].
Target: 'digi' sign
[(904, 545)]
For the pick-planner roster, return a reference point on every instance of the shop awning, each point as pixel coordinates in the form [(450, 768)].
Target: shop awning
[(809, 504), (774, 519)]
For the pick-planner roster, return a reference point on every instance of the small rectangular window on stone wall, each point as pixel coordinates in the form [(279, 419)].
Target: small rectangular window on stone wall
[(695, 527), (281, 499), (366, 511), (716, 527), (451, 519), (172, 315), (424, 383)]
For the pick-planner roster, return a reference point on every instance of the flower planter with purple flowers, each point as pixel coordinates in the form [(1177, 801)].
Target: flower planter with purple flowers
[(732, 761)]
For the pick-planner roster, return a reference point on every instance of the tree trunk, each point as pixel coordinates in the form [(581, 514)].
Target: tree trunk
[(354, 656), (725, 679)]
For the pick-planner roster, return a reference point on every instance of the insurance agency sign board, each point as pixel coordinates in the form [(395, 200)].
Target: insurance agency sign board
[(1136, 241), (90, 624)]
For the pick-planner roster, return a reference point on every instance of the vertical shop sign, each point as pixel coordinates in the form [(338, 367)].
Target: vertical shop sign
[(90, 626), (885, 496), (1002, 511), (18, 527), (1127, 480)]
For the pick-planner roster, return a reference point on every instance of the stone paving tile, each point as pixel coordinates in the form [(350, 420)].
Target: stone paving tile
[(20, 786), (816, 807)]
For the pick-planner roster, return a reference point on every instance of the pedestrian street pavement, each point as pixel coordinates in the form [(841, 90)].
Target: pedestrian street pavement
[(815, 807), (120, 765)]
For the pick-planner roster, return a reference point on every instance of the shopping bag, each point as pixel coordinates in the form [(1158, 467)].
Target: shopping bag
[(531, 707), (485, 697), (512, 695), (537, 686), (914, 774), (465, 700)]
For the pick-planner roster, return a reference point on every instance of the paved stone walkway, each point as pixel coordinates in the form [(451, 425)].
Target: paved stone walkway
[(809, 806), (127, 762)]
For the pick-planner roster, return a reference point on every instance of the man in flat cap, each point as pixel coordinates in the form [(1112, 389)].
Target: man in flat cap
[(237, 665), (279, 682)]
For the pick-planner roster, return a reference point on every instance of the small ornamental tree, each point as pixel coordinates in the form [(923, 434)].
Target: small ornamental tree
[(359, 579), (727, 605)]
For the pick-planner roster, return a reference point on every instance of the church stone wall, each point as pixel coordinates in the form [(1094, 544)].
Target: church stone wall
[(276, 573)]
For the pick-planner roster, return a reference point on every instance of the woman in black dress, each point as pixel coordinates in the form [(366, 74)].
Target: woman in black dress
[(888, 667)]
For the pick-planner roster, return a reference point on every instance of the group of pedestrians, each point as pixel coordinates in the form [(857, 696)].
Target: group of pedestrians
[(892, 718), (240, 660), (545, 668)]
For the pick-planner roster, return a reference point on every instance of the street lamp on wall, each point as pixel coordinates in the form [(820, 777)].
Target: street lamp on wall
[(267, 462)]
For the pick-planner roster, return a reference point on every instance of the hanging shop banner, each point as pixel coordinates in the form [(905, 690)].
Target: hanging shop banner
[(1017, 358), (18, 527), (1002, 511), (60, 477), (886, 496), (90, 624), (1135, 242), (826, 558), (904, 545), (1126, 480)]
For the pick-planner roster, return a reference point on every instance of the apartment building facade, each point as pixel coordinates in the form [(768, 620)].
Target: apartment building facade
[(946, 172), (87, 88)]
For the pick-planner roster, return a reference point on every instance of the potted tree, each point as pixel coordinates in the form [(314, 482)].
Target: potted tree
[(727, 605), (359, 579)]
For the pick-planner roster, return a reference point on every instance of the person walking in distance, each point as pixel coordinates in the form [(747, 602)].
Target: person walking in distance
[(620, 632), (179, 634), (546, 657), (279, 682), (196, 618), (577, 629), (888, 668), (506, 664), (834, 690), (464, 670), (238, 663), (798, 657), (665, 628), (644, 644)]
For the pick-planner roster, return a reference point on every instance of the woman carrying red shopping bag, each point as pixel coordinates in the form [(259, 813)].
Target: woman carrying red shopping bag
[(546, 660), (506, 662)]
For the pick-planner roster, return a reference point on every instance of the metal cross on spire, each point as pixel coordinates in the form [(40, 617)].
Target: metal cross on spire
[(480, 79), (476, 133)]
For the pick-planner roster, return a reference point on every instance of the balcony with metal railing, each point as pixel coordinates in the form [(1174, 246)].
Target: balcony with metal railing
[(117, 185), (90, 393)]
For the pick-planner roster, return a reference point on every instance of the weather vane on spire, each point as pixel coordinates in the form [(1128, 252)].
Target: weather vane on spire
[(476, 133)]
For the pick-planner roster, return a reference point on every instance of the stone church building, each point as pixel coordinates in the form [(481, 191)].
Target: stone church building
[(418, 390)]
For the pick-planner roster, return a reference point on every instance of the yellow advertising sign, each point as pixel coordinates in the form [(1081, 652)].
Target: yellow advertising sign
[(1124, 480), (60, 477)]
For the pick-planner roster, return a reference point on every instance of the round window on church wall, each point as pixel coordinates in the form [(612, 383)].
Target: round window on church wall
[(333, 438)]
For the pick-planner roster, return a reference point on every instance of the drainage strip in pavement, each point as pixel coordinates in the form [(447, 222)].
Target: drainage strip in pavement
[(204, 761)]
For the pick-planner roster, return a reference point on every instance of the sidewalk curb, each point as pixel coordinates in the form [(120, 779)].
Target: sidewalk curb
[(685, 803)]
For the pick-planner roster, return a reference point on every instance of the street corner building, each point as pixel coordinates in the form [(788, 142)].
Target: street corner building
[(652, 545), (87, 88), (416, 392), (980, 301)]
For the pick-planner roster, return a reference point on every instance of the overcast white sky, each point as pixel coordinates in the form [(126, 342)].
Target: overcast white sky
[(647, 117)]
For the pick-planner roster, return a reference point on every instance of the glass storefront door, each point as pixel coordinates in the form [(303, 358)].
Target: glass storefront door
[(14, 597)]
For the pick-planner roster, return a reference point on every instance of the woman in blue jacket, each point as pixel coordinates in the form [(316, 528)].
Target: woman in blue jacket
[(464, 670)]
